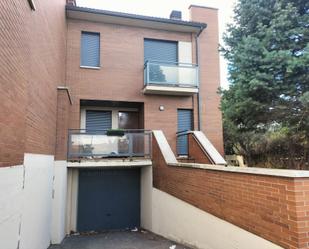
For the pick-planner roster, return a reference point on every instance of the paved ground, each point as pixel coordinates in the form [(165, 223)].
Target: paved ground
[(118, 240)]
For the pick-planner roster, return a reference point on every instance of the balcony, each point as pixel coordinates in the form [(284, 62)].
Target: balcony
[(103, 144), (170, 78)]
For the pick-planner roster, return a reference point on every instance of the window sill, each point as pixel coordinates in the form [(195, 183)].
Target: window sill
[(87, 67)]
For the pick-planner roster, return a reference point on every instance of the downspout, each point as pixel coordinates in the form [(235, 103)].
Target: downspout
[(198, 77)]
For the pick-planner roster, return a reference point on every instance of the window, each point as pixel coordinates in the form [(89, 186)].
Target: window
[(98, 120), (90, 50), (158, 50)]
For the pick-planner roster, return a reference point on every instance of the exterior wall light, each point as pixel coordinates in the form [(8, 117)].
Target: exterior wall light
[(161, 108)]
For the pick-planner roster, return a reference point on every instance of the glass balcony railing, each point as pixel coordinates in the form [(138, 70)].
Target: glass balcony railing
[(108, 143), (171, 74)]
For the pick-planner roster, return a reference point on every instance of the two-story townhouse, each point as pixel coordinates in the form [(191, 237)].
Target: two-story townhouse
[(72, 78), (111, 121), (137, 74)]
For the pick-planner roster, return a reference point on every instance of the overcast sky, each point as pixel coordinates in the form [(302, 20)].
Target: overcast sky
[(162, 8)]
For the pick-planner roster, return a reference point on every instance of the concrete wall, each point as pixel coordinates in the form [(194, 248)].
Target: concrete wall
[(146, 197), (59, 202), (26, 203), (182, 222)]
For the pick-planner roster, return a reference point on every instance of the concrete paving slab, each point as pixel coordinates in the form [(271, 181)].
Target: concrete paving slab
[(118, 240)]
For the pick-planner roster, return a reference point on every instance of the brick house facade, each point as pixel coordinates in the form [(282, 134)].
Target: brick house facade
[(72, 76)]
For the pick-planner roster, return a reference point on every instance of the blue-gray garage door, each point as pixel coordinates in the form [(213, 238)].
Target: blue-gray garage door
[(108, 199)]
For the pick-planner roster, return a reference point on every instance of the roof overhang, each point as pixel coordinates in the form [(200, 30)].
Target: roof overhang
[(111, 17)]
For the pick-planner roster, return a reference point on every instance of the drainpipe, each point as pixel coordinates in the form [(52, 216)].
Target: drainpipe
[(197, 62)]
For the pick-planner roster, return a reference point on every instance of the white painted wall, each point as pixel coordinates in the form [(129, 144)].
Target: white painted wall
[(36, 216), (185, 74), (58, 231), (26, 203), (72, 199), (146, 197), (179, 221), (11, 190), (184, 52)]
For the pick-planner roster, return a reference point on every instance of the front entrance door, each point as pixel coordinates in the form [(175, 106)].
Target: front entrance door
[(185, 123)]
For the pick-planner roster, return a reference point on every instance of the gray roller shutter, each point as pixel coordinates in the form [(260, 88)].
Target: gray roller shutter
[(157, 50), (90, 49), (185, 123), (98, 120)]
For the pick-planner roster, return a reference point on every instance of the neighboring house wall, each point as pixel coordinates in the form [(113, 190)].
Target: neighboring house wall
[(32, 58), (121, 76)]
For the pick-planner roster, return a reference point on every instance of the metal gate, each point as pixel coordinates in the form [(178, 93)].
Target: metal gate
[(108, 199)]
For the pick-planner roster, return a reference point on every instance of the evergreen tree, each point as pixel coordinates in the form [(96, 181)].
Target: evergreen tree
[(267, 47)]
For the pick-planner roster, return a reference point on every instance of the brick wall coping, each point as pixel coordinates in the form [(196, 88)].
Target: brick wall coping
[(247, 170), (165, 148), (67, 90)]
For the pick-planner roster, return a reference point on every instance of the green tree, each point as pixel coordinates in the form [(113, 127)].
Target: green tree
[(267, 47)]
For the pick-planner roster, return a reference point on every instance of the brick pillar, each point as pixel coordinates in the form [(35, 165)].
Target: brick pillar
[(211, 120), (63, 110)]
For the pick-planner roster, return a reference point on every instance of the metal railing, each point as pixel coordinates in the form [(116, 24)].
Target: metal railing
[(90, 144), (171, 74), (182, 143)]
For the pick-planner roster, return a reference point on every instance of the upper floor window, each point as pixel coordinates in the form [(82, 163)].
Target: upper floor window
[(160, 51), (90, 50)]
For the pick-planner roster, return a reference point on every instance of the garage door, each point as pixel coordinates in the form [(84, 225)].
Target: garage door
[(108, 199)]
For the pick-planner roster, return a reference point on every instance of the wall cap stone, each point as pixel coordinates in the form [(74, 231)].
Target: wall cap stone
[(247, 170), (165, 148)]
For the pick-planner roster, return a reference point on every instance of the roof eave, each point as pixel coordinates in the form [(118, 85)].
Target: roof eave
[(111, 17)]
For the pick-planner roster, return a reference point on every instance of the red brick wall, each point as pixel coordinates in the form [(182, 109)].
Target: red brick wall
[(211, 121), (32, 58), (122, 62), (275, 208), (195, 152), (121, 75)]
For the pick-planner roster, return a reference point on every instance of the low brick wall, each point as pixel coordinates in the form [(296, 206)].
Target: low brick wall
[(273, 207), (195, 152)]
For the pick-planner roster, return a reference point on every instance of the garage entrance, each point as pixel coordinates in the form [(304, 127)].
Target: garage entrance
[(108, 199)]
